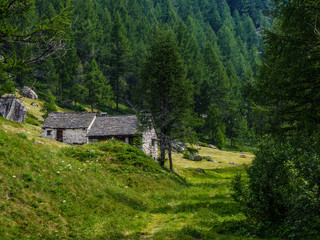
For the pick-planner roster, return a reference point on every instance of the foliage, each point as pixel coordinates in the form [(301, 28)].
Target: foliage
[(167, 92), (286, 88), (282, 194), (98, 90), (48, 106), (7, 87), (218, 41), (215, 126), (281, 197), (25, 39)]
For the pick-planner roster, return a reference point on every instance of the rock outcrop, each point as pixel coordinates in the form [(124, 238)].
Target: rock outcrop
[(12, 109), (29, 93)]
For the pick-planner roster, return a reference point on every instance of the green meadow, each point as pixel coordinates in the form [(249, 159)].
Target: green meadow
[(109, 190)]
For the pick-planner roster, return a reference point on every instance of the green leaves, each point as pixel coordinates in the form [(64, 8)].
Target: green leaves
[(37, 40), (289, 76)]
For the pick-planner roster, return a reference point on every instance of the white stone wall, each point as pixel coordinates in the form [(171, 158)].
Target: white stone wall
[(150, 143), (75, 136), (53, 133), (70, 136)]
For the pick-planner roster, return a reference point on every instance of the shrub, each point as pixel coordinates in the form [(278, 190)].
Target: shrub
[(282, 195), (32, 120), (192, 154)]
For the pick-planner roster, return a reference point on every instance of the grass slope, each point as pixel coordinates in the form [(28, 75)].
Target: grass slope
[(110, 190)]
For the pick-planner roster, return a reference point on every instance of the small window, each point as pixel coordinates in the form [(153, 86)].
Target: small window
[(49, 132), (153, 142)]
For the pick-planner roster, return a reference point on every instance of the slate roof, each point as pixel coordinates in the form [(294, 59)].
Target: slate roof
[(69, 120), (114, 126)]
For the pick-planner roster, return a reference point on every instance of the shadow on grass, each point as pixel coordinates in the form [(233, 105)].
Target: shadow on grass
[(126, 200), (220, 208), (227, 230)]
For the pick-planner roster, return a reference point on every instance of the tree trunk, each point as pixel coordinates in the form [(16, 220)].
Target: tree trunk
[(117, 86), (162, 151), (170, 157)]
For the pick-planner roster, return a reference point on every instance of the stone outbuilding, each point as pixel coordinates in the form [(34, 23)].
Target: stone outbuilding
[(82, 128), (71, 128), (125, 129)]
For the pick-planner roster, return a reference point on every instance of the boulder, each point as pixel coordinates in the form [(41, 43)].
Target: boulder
[(12, 109), (178, 147), (233, 163), (68, 103), (195, 157), (209, 159), (29, 93), (211, 146)]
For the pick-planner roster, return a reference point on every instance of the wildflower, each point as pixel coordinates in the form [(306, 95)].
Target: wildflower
[(58, 172), (13, 176)]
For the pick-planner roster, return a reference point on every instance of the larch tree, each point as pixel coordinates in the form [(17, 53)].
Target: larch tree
[(25, 39), (167, 92), (288, 86), (120, 55), (94, 83)]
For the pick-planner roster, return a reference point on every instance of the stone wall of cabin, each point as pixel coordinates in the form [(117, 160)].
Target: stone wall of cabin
[(51, 136), (150, 144), (75, 136), (70, 136)]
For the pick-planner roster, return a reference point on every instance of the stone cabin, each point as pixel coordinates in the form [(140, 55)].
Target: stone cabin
[(82, 128), (71, 128)]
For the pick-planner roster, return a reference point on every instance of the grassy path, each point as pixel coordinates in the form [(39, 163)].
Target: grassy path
[(203, 208)]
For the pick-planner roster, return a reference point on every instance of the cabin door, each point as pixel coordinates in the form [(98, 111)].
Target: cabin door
[(60, 135)]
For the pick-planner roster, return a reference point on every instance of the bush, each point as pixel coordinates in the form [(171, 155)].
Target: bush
[(192, 154), (282, 195), (7, 87)]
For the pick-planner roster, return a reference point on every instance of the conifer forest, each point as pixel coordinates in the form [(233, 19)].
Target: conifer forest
[(239, 75)]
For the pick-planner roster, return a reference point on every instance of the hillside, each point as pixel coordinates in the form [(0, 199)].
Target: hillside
[(110, 191), (100, 49)]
